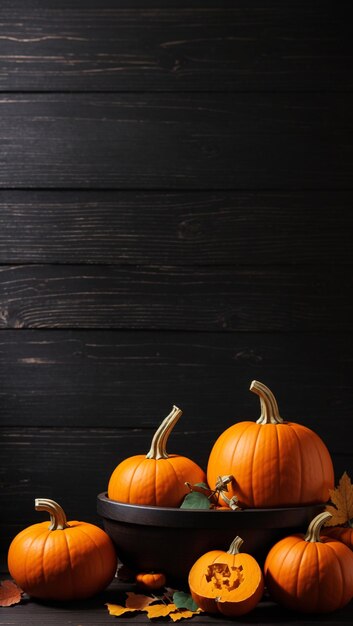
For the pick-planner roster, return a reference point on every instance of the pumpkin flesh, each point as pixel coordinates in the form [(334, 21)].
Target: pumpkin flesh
[(230, 584)]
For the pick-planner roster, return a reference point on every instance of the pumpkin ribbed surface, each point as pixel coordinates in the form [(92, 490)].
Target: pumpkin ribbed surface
[(273, 462), (310, 577), (157, 478), (156, 482), (68, 563)]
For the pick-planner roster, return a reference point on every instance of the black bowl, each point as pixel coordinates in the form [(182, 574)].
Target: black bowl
[(169, 540)]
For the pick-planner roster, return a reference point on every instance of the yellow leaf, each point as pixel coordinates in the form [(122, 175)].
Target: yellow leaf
[(342, 498), (183, 614), (117, 609), (137, 601), (160, 610)]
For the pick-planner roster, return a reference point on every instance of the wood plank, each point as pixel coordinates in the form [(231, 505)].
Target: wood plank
[(177, 141), (72, 466), (93, 612), (203, 228), (118, 379), (176, 298), (118, 45)]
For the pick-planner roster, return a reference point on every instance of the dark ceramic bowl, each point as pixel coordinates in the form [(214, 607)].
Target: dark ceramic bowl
[(150, 538)]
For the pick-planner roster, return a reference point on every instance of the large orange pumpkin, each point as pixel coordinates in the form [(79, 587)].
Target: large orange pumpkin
[(157, 478), (230, 583), (309, 573), (61, 560), (273, 462)]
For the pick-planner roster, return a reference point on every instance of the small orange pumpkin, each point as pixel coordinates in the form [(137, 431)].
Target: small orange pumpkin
[(309, 573), (62, 560), (273, 462), (230, 583), (157, 478), (150, 580)]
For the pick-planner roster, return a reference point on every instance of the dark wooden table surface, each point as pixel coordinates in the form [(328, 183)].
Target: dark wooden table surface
[(93, 612)]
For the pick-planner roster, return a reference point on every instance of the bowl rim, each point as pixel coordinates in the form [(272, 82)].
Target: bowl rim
[(284, 517)]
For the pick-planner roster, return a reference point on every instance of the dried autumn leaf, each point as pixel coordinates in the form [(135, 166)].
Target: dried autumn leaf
[(117, 609), (169, 593), (342, 498), (183, 614), (137, 601), (10, 593), (160, 610)]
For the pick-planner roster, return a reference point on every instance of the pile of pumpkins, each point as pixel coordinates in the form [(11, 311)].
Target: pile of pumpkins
[(274, 464)]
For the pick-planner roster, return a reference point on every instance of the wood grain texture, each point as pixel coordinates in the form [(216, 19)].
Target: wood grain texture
[(165, 228), (176, 298), (130, 380), (177, 141), (121, 45), (93, 612), (72, 466)]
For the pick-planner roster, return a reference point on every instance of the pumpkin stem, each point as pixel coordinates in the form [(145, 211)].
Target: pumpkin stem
[(57, 515), (269, 407), (313, 532), (160, 438), (235, 546)]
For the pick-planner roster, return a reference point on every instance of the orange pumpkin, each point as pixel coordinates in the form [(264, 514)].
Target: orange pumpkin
[(150, 580), (273, 462), (309, 573), (157, 478), (230, 583), (340, 533), (62, 560)]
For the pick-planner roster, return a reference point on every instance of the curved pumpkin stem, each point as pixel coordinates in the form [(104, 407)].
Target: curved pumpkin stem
[(57, 514), (269, 407), (313, 532), (235, 546), (160, 438)]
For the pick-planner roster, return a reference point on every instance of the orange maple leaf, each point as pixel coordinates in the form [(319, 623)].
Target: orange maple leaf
[(10, 593), (342, 498), (117, 609), (160, 610), (137, 601), (183, 614)]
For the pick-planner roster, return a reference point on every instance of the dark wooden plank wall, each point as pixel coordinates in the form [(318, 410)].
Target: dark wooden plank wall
[(175, 220)]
